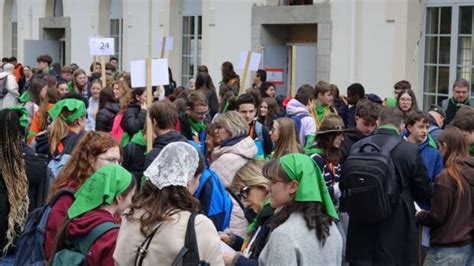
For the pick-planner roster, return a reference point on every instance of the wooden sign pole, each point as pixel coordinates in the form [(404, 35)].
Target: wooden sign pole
[(246, 70), (149, 100), (293, 71), (102, 76)]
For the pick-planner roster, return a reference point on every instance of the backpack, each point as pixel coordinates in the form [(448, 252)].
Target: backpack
[(77, 252), (58, 162), (297, 119), (259, 140), (30, 245), (369, 179), (189, 254), (214, 199), (3, 86)]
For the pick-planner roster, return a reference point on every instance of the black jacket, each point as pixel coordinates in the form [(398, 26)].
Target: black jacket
[(185, 127), (69, 142), (38, 178), (159, 143), (350, 138), (393, 241), (104, 119), (133, 119)]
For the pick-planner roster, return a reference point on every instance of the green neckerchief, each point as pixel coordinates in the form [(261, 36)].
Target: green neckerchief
[(391, 102), (320, 111), (465, 102), (309, 148), (311, 184), (391, 128), (125, 139), (471, 149), (256, 221), (100, 188), (25, 97), (432, 143), (226, 106), (23, 119), (76, 107), (70, 87), (139, 139), (196, 127)]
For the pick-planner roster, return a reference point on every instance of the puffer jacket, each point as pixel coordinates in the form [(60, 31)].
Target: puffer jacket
[(104, 119), (133, 119)]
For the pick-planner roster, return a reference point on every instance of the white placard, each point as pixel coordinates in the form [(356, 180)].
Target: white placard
[(159, 72), (254, 60), (168, 42), (102, 46)]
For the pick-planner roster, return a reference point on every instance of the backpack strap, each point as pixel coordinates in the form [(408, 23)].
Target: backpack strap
[(64, 191), (190, 252), (85, 243), (391, 144), (143, 249)]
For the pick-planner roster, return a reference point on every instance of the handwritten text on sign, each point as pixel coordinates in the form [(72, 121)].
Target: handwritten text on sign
[(102, 46)]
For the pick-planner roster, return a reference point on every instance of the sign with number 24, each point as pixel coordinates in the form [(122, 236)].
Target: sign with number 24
[(101, 46)]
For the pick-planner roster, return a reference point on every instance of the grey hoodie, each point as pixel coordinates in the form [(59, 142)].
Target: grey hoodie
[(308, 126)]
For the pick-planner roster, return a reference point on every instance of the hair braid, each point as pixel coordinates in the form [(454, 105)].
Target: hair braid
[(12, 166)]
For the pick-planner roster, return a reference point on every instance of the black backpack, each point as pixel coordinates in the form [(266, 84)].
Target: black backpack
[(189, 254), (369, 188), (3, 86)]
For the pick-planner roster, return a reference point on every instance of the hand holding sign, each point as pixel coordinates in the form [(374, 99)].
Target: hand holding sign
[(102, 46)]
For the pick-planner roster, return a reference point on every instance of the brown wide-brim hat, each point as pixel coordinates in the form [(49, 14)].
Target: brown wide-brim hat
[(331, 124)]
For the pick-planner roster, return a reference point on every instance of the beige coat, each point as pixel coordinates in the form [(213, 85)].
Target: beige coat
[(168, 241)]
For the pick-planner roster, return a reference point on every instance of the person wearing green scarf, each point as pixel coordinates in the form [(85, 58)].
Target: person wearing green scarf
[(106, 194), (323, 102), (134, 155), (460, 97), (191, 122), (298, 191)]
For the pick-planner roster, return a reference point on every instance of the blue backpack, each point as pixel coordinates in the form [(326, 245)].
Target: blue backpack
[(30, 245), (215, 201), (259, 141), (297, 119), (59, 161)]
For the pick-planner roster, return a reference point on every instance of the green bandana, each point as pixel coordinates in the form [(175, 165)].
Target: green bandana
[(23, 114), (432, 142), (465, 102), (70, 87), (139, 139), (76, 107), (196, 127), (309, 148), (25, 97), (391, 128), (100, 188), (312, 187), (391, 102), (320, 110)]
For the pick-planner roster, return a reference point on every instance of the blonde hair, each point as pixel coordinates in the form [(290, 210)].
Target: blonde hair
[(233, 122), (58, 130), (288, 141), (249, 175), (127, 96)]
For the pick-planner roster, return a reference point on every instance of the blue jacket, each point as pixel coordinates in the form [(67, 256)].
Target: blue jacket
[(433, 162)]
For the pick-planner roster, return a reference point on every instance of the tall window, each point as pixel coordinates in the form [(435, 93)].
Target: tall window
[(116, 28), (58, 8), (14, 28), (448, 53), (191, 53)]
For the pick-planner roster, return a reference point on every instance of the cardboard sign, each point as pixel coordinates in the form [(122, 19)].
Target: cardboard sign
[(275, 75), (168, 42), (159, 72), (102, 46), (254, 61)]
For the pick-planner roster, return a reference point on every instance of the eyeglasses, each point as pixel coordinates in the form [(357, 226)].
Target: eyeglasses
[(403, 99), (244, 192), (201, 113), (112, 160)]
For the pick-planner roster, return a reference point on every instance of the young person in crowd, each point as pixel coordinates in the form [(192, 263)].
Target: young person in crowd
[(452, 212), (206, 86), (135, 113), (79, 83), (366, 115), (400, 86), (464, 120), (11, 90), (393, 240), (260, 77), (66, 73), (69, 121), (438, 117), (298, 109), (247, 106), (24, 83), (62, 88), (266, 111), (323, 101), (340, 103), (43, 63), (229, 77), (192, 122), (107, 193), (355, 93), (121, 90), (23, 183), (108, 108), (164, 117), (34, 96), (406, 102), (283, 135), (163, 211), (41, 118), (93, 108), (304, 230), (267, 89), (95, 150), (460, 98)]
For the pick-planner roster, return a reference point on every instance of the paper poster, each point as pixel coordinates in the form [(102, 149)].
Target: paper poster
[(275, 75), (102, 46), (254, 60), (168, 42), (159, 72)]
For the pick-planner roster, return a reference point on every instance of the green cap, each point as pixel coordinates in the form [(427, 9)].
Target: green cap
[(25, 97), (101, 188), (23, 114), (311, 187), (76, 107), (391, 102)]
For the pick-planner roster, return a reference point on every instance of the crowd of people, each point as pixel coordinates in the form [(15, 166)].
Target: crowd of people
[(254, 178)]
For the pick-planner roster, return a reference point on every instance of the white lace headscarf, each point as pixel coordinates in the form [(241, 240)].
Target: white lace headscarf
[(174, 166)]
